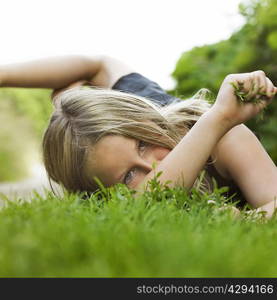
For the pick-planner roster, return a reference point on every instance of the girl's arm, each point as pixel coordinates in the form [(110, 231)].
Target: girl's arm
[(183, 164), (60, 72), (242, 158)]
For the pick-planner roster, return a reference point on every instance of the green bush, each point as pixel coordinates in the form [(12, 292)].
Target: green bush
[(251, 48)]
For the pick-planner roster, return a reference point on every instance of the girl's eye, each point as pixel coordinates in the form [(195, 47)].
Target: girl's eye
[(129, 176), (141, 145)]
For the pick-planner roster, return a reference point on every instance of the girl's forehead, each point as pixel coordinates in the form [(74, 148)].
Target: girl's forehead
[(108, 157), (112, 140), (108, 142), (109, 147)]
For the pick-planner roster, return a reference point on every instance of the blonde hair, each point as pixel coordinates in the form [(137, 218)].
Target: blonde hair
[(84, 115)]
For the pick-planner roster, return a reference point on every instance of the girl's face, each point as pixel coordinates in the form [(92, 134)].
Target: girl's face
[(118, 159)]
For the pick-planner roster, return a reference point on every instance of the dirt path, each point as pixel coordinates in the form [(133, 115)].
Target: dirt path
[(25, 189)]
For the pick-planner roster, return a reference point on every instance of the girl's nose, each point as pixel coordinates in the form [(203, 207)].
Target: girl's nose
[(147, 164), (153, 158)]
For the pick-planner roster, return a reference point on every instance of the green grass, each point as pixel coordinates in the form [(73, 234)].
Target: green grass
[(163, 233)]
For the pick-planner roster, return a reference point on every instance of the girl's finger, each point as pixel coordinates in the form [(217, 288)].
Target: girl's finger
[(256, 85), (263, 83), (249, 83), (269, 89)]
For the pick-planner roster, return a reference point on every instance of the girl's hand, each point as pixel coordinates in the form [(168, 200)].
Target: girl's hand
[(259, 92), (55, 93)]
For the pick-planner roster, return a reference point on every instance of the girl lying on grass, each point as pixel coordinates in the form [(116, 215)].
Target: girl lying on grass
[(119, 129)]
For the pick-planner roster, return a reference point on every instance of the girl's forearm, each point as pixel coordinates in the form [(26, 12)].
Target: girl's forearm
[(53, 72), (184, 163)]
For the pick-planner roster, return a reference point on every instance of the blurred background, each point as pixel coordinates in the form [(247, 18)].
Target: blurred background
[(181, 44)]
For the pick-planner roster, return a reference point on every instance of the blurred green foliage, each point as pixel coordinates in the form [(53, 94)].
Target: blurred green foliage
[(23, 117), (253, 47)]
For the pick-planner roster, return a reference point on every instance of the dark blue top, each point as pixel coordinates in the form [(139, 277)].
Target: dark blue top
[(137, 84)]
